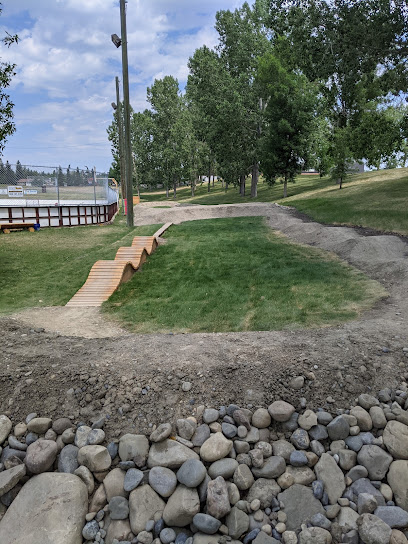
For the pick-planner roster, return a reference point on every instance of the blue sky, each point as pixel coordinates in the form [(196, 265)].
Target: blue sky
[(66, 68)]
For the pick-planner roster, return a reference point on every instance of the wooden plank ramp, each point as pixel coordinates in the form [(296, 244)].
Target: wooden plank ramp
[(106, 276)]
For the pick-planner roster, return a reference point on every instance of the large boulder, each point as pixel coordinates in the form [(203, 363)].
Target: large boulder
[(49, 509), (299, 505)]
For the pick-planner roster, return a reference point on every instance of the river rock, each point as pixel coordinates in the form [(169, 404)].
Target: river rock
[(398, 481), (114, 483), (5, 428), (218, 504), (9, 478), (162, 432), (163, 480), (68, 459), (272, 468), (39, 425), (243, 477), (373, 530), (314, 535), (394, 516), (181, 507), (338, 428), (299, 505), (144, 503), (118, 529), (96, 458), (206, 524), (237, 522), (395, 439), (170, 454), (41, 456), (261, 418), (134, 447), (192, 472), (265, 490), (307, 420), (216, 447), (375, 460), (223, 467), (28, 517), (281, 410), (332, 476)]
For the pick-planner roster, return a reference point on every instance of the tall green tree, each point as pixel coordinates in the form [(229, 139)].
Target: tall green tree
[(19, 171), (7, 71)]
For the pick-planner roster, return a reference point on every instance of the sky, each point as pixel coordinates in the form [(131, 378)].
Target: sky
[(66, 66)]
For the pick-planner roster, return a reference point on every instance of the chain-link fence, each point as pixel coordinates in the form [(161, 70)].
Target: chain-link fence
[(25, 186)]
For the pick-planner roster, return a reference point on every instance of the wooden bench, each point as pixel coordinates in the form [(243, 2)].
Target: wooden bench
[(7, 227)]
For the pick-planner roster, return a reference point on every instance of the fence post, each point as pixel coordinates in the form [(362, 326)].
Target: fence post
[(94, 184)]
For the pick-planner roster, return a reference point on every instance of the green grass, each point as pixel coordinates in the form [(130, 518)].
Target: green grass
[(217, 194), (378, 200), (46, 268), (236, 275)]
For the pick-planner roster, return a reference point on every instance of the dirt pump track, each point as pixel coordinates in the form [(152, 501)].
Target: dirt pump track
[(83, 366)]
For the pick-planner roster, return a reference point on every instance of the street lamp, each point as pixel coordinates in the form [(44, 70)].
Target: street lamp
[(126, 107), (118, 108)]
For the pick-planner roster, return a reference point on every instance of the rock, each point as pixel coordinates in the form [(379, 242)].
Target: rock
[(218, 504), (263, 538), (201, 434), (202, 538), (282, 448), (347, 518), (338, 428), (68, 459), (261, 418), (61, 424), (301, 475), (298, 459), (347, 459), (229, 430), (192, 472), (357, 472), (332, 476), (96, 458), (355, 443), (98, 500), (318, 432), (223, 467), (272, 468), (216, 447), (363, 485), (132, 479), (237, 522), (134, 447), (65, 495), (300, 439), (163, 480), (375, 460), (367, 401), (366, 503), (299, 505), (170, 454), (297, 383), (264, 490), (181, 507), (315, 535), (39, 425), (162, 432), (90, 530), (96, 436), (243, 477), (252, 436), (119, 508), (9, 478), (186, 428), (144, 503), (5, 428), (395, 438), (363, 418), (397, 537), (40, 455), (206, 524), (378, 418), (118, 530), (281, 410), (114, 484), (241, 419), (394, 516), (210, 415), (307, 420), (167, 535), (86, 476), (398, 481), (373, 530), (81, 436), (186, 386)]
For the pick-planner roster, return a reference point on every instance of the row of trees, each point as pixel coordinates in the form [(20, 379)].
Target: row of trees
[(72, 177), (292, 84)]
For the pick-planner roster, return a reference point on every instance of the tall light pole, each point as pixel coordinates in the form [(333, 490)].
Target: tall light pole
[(118, 108), (126, 107)]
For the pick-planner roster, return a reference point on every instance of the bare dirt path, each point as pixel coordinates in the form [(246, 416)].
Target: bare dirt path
[(137, 379)]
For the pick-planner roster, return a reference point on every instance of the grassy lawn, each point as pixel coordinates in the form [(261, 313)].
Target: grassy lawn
[(236, 275), (46, 268), (217, 194), (378, 200)]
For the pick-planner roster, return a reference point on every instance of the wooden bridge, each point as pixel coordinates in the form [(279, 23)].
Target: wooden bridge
[(106, 276)]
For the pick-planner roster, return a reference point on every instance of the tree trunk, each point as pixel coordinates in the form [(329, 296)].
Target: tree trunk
[(254, 181), (209, 177), (242, 184), (341, 183), (213, 181), (226, 186), (175, 189), (222, 184), (285, 187), (192, 186), (167, 191)]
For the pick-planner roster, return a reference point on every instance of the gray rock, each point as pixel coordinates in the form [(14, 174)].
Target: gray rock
[(378, 418), (201, 434), (318, 432), (86, 476), (367, 401), (376, 461), (363, 485), (265, 490), (299, 505), (398, 481), (243, 477), (366, 503), (223, 467), (144, 503), (347, 518), (181, 507), (30, 438), (9, 478), (133, 477), (134, 447), (261, 418), (395, 438), (186, 428), (192, 472), (253, 435), (206, 524), (273, 467), (81, 436), (282, 448), (314, 535), (96, 458), (162, 432), (363, 418), (169, 454), (65, 495), (167, 535), (218, 504), (39, 425), (90, 530), (16, 444), (5, 428), (229, 430), (300, 439), (163, 481), (281, 410), (332, 477), (237, 522), (216, 447), (355, 443), (114, 483), (324, 417), (347, 459), (298, 459), (96, 436), (263, 538), (301, 475), (68, 459), (119, 508), (41, 456), (210, 415), (394, 516), (357, 472), (338, 428), (61, 424), (319, 520), (373, 530)]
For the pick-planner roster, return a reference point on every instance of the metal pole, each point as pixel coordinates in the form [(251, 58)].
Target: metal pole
[(94, 184), (127, 143), (120, 133)]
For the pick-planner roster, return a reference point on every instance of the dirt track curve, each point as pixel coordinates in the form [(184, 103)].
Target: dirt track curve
[(84, 366)]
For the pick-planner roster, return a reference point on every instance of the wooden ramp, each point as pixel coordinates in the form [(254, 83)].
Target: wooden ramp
[(106, 276)]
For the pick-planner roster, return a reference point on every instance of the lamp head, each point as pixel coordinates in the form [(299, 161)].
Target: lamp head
[(114, 106), (116, 40)]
